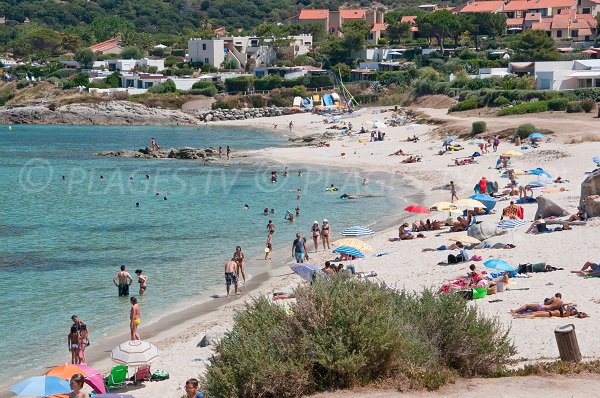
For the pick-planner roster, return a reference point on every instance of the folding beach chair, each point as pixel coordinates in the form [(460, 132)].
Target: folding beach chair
[(117, 377)]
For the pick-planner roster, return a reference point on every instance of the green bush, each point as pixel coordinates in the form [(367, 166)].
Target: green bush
[(221, 105), (268, 83), (345, 333), (318, 81), (501, 101), (21, 84), (202, 84), (237, 84), (573, 107), (593, 93), (424, 86), (587, 104), (558, 104), (471, 103), (526, 107), (209, 91), (167, 87), (478, 127), (63, 73), (525, 130)]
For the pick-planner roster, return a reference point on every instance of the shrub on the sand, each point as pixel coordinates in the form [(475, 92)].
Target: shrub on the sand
[(346, 333), (574, 107), (525, 107), (478, 127), (525, 130), (587, 104), (558, 104), (468, 104)]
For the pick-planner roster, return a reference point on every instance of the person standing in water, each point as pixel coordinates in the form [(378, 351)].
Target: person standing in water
[(325, 234), (228, 152), (271, 227), (316, 232), (220, 152), (124, 281), (142, 280), (238, 257), (135, 319)]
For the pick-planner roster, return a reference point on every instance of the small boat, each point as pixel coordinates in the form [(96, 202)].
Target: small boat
[(327, 100), (316, 99), (307, 102), (297, 101)]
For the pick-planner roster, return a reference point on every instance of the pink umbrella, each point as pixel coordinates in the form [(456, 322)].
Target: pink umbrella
[(94, 379), (417, 209)]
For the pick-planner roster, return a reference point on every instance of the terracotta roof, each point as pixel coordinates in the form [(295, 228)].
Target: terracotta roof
[(105, 45), (539, 4), (411, 19), (585, 32), (517, 5), (533, 16), (378, 27), (541, 26), (560, 21), (484, 6), (313, 14), (414, 29), (514, 21), (353, 14)]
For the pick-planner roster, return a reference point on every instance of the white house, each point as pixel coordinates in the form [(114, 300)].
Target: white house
[(380, 54), (127, 65), (566, 75), (291, 72)]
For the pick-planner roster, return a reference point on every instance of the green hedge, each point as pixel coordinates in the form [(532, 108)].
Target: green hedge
[(558, 104), (574, 107), (471, 103), (236, 84), (526, 107)]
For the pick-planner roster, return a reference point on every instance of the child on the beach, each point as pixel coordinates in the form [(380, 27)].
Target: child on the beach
[(83, 343), (73, 343)]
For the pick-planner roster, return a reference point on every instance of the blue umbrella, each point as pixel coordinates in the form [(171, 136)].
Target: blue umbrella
[(499, 265), (306, 271), (357, 230), (349, 250), (42, 386), (448, 140), (487, 200), (536, 136), (539, 172)]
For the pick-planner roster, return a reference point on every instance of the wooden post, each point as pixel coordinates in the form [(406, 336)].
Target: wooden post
[(566, 340)]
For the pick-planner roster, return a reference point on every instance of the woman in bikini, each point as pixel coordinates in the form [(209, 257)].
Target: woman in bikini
[(73, 343), (142, 280), (325, 234), (315, 235), (135, 318), (238, 257), (562, 312), (83, 342)]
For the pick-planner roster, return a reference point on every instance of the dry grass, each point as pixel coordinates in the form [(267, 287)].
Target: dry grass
[(557, 367), (586, 137)]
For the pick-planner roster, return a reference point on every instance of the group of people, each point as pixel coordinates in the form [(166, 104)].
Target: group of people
[(123, 280), (552, 307), (78, 340)]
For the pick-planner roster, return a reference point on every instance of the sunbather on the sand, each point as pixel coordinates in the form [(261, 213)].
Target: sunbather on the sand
[(589, 268), (581, 215), (561, 312), (454, 246), (397, 153), (551, 304)]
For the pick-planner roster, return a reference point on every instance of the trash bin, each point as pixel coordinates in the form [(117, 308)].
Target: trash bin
[(566, 340)]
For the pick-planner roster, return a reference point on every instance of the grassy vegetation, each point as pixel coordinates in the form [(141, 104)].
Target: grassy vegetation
[(346, 333), (525, 107)]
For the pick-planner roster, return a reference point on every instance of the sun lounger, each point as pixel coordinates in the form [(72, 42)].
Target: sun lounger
[(117, 377)]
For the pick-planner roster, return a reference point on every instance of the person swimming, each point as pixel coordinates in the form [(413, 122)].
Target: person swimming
[(246, 207), (266, 211), (137, 204)]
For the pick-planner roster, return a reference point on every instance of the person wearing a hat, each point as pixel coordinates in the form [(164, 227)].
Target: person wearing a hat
[(325, 233), (316, 232)]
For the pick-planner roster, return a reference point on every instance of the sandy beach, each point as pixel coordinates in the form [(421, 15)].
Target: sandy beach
[(405, 265)]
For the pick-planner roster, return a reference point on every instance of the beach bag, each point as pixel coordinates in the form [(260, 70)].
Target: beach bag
[(160, 375), (452, 259)]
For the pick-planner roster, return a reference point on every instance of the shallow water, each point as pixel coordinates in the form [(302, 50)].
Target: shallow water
[(61, 242)]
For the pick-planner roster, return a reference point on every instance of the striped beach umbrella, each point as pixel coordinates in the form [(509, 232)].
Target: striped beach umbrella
[(511, 223), (349, 250), (357, 230), (306, 271)]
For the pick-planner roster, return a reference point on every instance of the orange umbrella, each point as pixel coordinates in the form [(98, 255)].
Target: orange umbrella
[(93, 378)]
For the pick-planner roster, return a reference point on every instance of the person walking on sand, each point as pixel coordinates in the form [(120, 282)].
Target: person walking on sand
[(142, 280), (135, 318), (325, 233), (238, 257), (316, 232), (299, 248), (291, 126), (228, 151), (231, 272), (124, 281), (496, 143), (453, 192), (269, 246)]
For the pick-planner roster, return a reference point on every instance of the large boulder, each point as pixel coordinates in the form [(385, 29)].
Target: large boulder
[(547, 208), (590, 191), (483, 231)]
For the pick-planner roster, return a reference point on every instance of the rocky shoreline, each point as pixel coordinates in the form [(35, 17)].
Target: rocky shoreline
[(127, 113), (187, 153)]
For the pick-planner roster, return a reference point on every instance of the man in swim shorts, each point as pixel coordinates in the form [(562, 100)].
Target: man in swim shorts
[(589, 268), (299, 248), (551, 304), (124, 281), (230, 275)]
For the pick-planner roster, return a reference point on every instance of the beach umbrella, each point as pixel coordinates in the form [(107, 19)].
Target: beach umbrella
[(539, 172), (536, 136), (349, 250), (477, 142), (512, 153), (469, 203), (379, 125), (134, 353), (488, 201), (93, 378), (306, 271), (353, 242), (417, 209), (464, 239), (499, 265), (442, 206), (357, 230), (448, 140), (511, 223), (42, 386)]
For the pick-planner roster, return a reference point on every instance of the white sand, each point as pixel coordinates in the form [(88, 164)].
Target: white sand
[(406, 266)]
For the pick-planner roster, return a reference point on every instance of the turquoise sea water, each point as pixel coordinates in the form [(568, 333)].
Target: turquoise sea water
[(61, 242)]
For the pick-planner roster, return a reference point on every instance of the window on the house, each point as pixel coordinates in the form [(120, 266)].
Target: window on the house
[(575, 33), (206, 61), (586, 10), (204, 46), (559, 33)]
